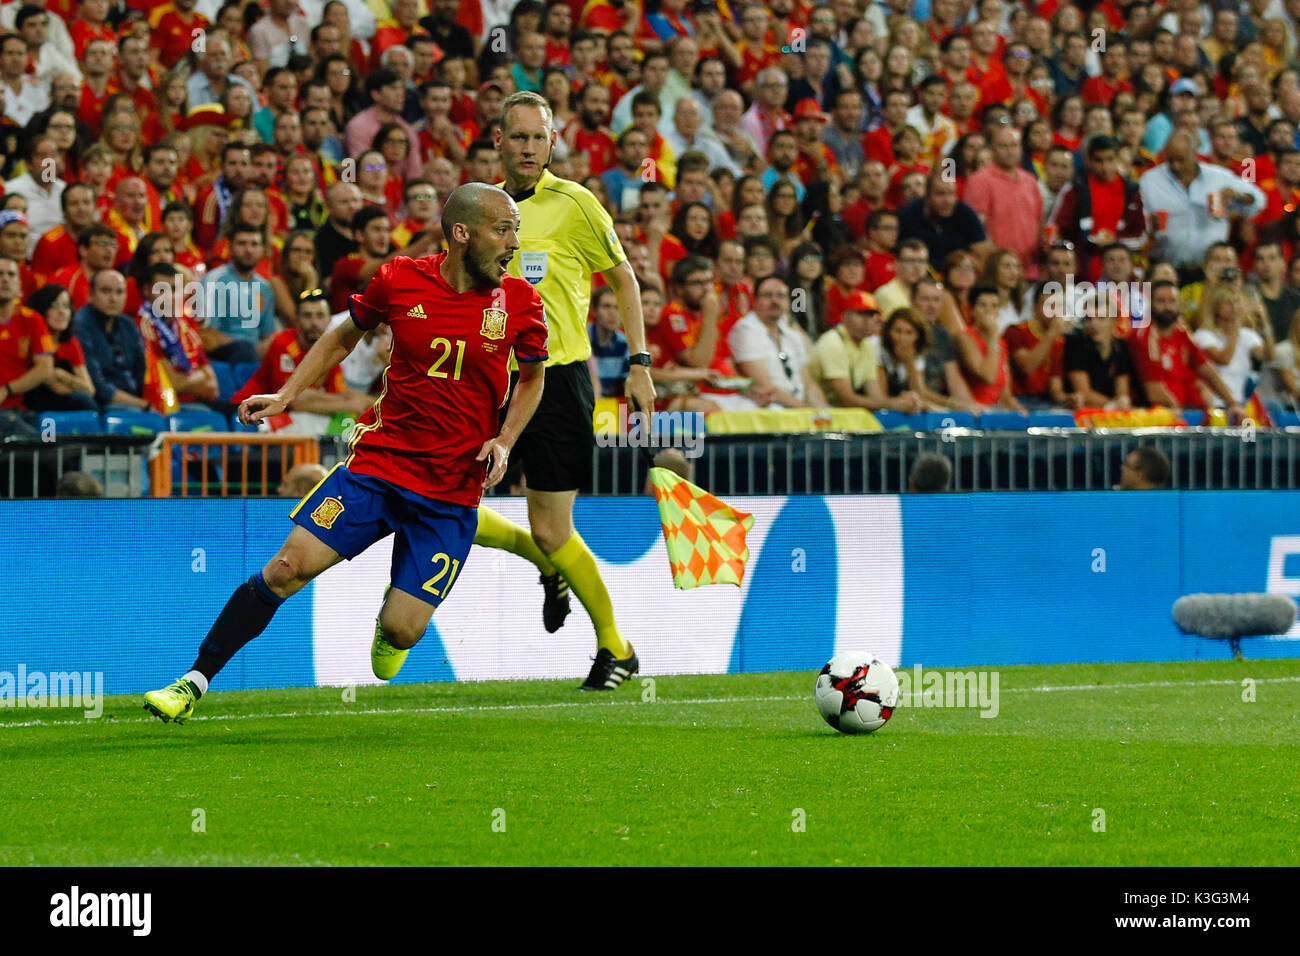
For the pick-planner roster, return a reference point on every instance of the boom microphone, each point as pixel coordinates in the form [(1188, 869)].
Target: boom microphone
[(1231, 617)]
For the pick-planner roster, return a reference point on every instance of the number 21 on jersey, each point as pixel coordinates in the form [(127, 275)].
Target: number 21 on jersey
[(442, 351)]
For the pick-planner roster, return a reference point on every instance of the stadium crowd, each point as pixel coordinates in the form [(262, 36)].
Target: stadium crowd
[(912, 205)]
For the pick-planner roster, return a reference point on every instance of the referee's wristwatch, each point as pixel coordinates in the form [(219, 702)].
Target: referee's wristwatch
[(641, 358)]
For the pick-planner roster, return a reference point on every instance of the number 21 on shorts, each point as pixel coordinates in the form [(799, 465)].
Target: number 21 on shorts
[(445, 563)]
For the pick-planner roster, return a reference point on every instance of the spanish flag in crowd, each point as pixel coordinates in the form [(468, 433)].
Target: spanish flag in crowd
[(1256, 411), (705, 536)]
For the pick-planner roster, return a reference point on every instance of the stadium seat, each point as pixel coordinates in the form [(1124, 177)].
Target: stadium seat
[(225, 380), (243, 372), (134, 423), (72, 423), (1051, 420), (1193, 416), (890, 419), (235, 425), (198, 420), (937, 421), (1288, 420), (1004, 421)]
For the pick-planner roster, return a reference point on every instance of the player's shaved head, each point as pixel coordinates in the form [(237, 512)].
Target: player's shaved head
[(474, 204), (481, 224)]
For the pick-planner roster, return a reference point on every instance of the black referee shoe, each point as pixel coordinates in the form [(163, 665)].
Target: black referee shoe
[(555, 606), (608, 671)]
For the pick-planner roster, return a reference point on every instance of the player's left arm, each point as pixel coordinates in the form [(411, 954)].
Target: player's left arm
[(640, 390), (330, 349), (523, 402)]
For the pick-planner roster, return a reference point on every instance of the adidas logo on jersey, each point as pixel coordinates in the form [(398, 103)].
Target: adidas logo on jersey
[(417, 313)]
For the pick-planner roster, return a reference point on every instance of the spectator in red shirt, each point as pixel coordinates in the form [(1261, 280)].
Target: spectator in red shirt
[(983, 353), (439, 135), (406, 21), (986, 70), (589, 132), (353, 272), (1037, 350), (70, 387), (881, 240), (97, 247), (1101, 89), (172, 27), (1173, 369), (557, 24), (26, 348), (90, 25), (689, 334), (287, 350), (872, 187), (878, 145), (1099, 208), (735, 289), (846, 273), (757, 53)]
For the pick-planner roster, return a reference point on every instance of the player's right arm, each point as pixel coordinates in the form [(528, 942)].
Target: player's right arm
[(330, 349), (527, 396)]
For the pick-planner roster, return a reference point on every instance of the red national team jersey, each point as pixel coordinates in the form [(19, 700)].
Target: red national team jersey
[(448, 378), (679, 330), (282, 358), (1170, 359), (598, 146), (172, 35), (1035, 383), (22, 339)]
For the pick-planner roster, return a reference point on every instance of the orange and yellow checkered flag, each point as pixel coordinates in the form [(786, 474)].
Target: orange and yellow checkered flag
[(705, 536)]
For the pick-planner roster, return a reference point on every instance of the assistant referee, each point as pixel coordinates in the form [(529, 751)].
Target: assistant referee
[(565, 237)]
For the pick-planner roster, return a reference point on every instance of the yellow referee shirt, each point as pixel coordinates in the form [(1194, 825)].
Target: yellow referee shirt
[(565, 235)]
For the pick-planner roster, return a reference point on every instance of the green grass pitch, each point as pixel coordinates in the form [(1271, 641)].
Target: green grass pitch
[(723, 770)]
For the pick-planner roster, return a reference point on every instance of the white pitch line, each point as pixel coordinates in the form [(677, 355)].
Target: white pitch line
[(490, 708)]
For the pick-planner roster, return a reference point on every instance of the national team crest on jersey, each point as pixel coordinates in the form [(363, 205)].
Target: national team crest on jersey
[(327, 512), (533, 266), (494, 324)]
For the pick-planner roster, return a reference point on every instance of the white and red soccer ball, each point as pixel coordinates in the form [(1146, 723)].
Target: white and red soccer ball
[(856, 692)]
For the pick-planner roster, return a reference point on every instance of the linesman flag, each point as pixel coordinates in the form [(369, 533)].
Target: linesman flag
[(705, 536)]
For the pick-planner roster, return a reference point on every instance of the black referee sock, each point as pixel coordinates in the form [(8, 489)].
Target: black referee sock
[(245, 616)]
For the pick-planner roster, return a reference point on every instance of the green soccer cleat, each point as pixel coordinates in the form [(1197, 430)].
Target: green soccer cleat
[(173, 703), (385, 659)]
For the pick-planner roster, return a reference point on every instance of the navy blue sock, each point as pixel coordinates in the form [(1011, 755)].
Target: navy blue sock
[(245, 616)]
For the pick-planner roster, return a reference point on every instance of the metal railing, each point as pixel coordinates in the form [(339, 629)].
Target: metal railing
[(212, 460), (826, 464), (1038, 460), (30, 468)]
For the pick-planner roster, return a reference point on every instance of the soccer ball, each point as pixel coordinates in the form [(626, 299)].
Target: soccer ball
[(856, 692)]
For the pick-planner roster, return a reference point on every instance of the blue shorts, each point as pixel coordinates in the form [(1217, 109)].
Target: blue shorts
[(351, 512)]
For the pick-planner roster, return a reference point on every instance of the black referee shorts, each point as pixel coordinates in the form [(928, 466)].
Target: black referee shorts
[(557, 447)]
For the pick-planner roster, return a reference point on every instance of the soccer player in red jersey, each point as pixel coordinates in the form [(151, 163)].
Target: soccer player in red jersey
[(422, 455)]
